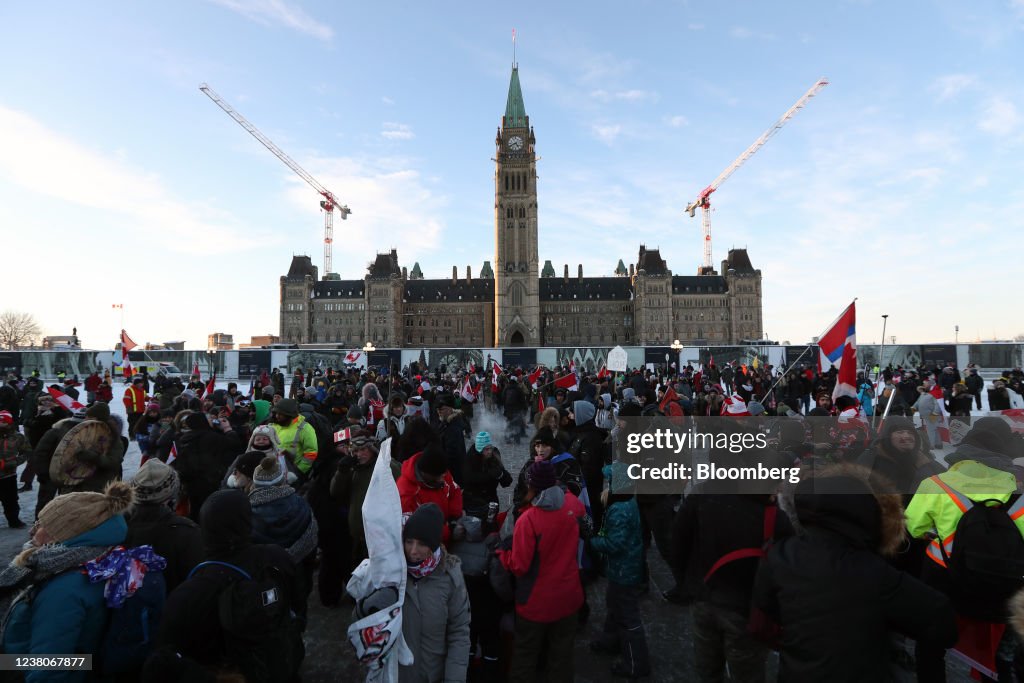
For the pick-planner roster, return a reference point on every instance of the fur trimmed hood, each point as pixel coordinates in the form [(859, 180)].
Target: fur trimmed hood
[(834, 498)]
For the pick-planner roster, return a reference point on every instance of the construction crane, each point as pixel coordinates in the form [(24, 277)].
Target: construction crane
[(704, 198), (329, 202)]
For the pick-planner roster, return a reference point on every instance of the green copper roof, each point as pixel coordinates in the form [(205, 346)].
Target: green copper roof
[(515, 110), (621, 268), (548, 270), (486, 271), (416, 273)]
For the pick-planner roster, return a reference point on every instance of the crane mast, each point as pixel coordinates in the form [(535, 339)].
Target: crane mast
[(703, 200), (329, 202)]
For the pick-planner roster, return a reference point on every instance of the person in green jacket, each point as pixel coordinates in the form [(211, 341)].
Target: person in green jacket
[(621, 543), (296, 436)]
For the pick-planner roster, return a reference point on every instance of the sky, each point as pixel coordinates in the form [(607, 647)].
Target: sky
[(898, 185)]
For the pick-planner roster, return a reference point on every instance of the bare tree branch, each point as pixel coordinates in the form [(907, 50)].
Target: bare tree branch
[(18, 329)]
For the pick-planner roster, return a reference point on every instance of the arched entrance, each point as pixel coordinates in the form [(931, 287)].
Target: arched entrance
[(516, 339)]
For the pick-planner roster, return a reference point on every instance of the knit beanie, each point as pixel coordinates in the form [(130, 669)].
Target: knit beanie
[(546, 436), (288, 407), (155, 482), (483, 440), (98, 411), (248, 462), (72, 514), (425, 525), (269, 472), (196, 421), (541, 475), (432, 461)]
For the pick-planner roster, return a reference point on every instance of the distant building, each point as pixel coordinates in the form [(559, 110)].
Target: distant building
[(259, 341), (516, 303), (220, 341), (60, 342)]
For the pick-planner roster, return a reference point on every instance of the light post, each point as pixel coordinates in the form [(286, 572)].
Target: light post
[(956, 332), (881, 350), (676, 347), (210, 356)]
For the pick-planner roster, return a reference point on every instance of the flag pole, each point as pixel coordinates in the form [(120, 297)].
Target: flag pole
[(781, 375)]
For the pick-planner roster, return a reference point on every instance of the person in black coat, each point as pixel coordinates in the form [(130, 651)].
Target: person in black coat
[(482, 472), (203, 457), (975, 384), (587, 446), (453, 428), (832, 592), (152, 522), (191, 633)]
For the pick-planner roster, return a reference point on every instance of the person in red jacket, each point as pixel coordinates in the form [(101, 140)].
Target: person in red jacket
[(548, 589), (426, 479)]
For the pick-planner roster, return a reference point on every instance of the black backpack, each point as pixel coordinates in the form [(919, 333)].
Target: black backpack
[(261, 632), (986, 565), (131, 628)]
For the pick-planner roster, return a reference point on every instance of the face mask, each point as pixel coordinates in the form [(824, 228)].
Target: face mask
[(234, 483)]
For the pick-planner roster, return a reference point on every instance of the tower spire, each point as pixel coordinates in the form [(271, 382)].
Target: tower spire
[(515, 64)]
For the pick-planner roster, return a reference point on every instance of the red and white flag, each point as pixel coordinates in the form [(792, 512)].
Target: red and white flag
[(734, 406), (126, 342), (603, 372), (534, 377), (174, 453), (352, 357), (211, 384), (570, 382), (66, 401), (468, 394), (195, 370), (495, 373)]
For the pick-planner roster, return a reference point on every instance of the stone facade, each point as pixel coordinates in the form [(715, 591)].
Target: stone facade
[(512, 304)]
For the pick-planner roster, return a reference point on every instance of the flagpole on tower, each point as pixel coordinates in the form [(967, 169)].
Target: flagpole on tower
[(514, 48)]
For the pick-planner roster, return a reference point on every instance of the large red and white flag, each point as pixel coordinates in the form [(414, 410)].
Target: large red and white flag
[(495, 373), (126, 342), (534, 377), (467, 393), (603, 372), (352, 357), (570, 382), (66, 401)]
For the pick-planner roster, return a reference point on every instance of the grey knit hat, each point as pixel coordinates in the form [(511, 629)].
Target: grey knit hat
[(269, 472), (155, 482)]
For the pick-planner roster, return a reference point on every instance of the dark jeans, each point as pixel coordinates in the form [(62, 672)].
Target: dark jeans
[(9, 499), (532, 637), (624, 629), (720, 638), (485, 608)]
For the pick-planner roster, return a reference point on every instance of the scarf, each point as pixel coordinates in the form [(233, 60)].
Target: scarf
[(37, 564), (426, 567), (123, 569), (261, 495)]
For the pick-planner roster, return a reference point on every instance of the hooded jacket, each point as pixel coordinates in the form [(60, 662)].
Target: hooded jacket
[(620, 541), (481, 479), (905, 471), (453, 439), (543, 557), (176, 539), (834, 595), (435, 624), (415, 493)]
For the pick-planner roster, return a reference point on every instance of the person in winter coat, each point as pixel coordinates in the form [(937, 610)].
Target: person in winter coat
[(545, 446), (435, 614), (975, 384), (928, 407), (191, 632), (551, 418), (295, 436), (981, 469), (619, 541), (516, 408), (587, 446), (425, 479), (350, 483), (453, 429), (960, 401), (482, 472), (152, 522), (899, 455), (14, 450), (999, 396), (393, 424), (668, 403), (548, 589), (831, 590), (203, 457), (64, 611), (712, 522), (280, 516), (605, 413)]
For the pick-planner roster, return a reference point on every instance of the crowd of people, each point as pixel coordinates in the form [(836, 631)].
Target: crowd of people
[(247, 506)]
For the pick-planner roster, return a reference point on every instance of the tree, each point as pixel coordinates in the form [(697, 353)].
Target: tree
[(1019, 338), (18, 329)]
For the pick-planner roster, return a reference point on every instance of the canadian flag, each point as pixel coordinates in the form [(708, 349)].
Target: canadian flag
[(352, 357), (569, 382), (603, 372), (126, 343), (534, 377), (174, 453), (66, 401), (734, 406), (467, 392), (211, 385), (343, 435), (495, 373), (195, 370)]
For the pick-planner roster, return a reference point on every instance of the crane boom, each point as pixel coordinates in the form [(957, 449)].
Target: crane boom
[(330, 201), (703, 199)]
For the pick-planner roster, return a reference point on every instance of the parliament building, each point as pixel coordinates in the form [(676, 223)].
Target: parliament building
[(516, 302)]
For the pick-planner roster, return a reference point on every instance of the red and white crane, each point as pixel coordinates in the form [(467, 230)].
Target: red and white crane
[(703, 200), (329, 202)]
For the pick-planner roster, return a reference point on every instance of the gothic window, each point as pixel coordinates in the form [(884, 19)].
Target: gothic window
[(506, 182), (509, 213)]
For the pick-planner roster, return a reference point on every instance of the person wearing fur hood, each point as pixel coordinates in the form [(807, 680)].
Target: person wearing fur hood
[(831, 589), (393, 424), (64, 573)]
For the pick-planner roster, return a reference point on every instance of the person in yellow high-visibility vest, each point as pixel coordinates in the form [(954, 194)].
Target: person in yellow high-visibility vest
[(981, 472), (134, 404), (296, 436)]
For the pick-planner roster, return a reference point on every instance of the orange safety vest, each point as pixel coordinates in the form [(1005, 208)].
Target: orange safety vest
[(134, 400), (940, 549)]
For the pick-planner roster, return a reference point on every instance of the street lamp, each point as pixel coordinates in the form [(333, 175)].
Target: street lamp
[(956, 331), (210, 356), (676, 346), (369, 348), (881, 350)]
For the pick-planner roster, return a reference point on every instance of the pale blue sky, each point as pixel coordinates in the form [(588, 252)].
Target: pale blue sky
[(899, 184)]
